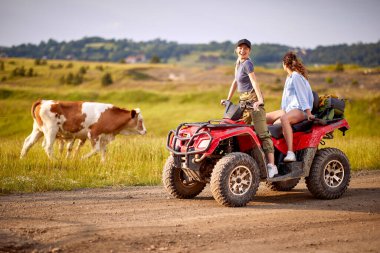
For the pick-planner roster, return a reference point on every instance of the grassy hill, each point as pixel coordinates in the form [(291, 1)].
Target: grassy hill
[(167, 94)]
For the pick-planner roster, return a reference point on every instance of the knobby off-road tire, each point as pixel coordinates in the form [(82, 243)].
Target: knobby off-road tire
[(235, 179), (174, 180), (329, 174), (284, 186)]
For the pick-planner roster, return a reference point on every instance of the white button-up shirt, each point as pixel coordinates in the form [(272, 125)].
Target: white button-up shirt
[(297, 93)]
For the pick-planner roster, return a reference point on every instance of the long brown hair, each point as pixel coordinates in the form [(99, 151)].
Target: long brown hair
[(292, 62)]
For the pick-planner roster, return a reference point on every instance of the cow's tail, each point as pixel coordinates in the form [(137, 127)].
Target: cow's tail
[(35, 104)]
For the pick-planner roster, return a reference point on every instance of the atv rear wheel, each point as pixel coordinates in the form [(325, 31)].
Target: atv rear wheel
[(235, 179), (285, 186), (177, 183), (329, 174)]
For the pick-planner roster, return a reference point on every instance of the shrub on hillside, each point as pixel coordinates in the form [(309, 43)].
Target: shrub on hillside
[(2, 66), (40, 62), (83, 70), (339, 67), (72, 79), (18, 71), (107, 79), (329, 80), (22, 71), (155, 59), (58, 66)]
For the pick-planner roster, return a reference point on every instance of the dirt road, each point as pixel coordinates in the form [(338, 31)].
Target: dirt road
[(143, 219)]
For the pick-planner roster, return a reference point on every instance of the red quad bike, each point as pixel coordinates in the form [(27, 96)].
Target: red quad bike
[(227, 154)]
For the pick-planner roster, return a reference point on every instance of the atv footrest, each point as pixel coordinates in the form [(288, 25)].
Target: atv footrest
[(291, 170)]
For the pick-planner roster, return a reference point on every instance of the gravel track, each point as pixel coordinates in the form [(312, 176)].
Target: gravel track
[(146, 219)]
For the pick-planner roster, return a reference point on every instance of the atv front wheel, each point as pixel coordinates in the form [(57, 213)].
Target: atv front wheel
[(178, 184), (329, 174), (284, 186), (235, 179)]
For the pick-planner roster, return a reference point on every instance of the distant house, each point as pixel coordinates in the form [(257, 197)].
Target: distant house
[(135, 58)]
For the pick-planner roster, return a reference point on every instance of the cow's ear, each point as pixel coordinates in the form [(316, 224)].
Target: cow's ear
[(133, 114)]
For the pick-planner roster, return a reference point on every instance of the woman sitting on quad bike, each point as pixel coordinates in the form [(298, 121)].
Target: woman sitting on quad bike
[(297, 101), (250, 93)]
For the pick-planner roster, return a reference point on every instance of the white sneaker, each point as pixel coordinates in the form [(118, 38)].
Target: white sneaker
[(272, 170), (290, 157)]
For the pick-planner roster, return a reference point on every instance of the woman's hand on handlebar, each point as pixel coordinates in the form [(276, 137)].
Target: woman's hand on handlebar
[(256, 105), (223, 101)]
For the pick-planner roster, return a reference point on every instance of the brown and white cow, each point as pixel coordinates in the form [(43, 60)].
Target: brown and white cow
[(80, 120)]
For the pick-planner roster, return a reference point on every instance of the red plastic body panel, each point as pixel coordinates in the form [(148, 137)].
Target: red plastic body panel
[(247, 138), (302, 140)]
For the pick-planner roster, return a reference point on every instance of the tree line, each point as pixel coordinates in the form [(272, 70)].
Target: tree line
[(100, 49)]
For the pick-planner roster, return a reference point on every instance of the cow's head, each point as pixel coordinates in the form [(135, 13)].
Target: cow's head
[(136, 124)]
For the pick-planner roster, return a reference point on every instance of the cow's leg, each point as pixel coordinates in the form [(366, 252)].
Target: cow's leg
[(50, 135), (61, 145), (80, 144), (103, 152), (70, 144), (95, 148), (103, 145), (31, 140), (43, 143)]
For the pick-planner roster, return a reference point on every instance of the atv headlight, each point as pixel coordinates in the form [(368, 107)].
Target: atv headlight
[(204, 143)]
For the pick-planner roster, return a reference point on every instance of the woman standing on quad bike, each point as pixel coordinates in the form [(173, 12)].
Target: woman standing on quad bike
[(297, 101), (250, 93)]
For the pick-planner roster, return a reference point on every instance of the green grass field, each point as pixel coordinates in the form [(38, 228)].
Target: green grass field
[(138, 160)]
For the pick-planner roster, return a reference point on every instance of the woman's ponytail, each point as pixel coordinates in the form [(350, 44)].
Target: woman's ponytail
[(292, 62)]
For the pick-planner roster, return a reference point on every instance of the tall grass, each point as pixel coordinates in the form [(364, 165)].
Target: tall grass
[(133, 161)]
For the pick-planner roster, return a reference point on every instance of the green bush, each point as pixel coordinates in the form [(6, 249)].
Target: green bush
[(339, 67), (83, 70), (40, 62), (107, 79), (329, 80), (155, 59)]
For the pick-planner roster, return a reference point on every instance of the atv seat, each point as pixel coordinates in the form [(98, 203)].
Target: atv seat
[(303, 126)]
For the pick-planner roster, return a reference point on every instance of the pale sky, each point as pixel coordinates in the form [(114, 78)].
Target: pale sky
[(298, 23)]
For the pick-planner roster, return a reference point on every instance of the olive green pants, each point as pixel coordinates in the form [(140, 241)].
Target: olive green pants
[(259, 121)]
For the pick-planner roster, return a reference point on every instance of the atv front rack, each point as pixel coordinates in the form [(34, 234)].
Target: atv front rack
[(174, 136)]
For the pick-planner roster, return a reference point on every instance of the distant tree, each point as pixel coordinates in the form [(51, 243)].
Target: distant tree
[(69, 65), (107, 79), (155, 59)]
